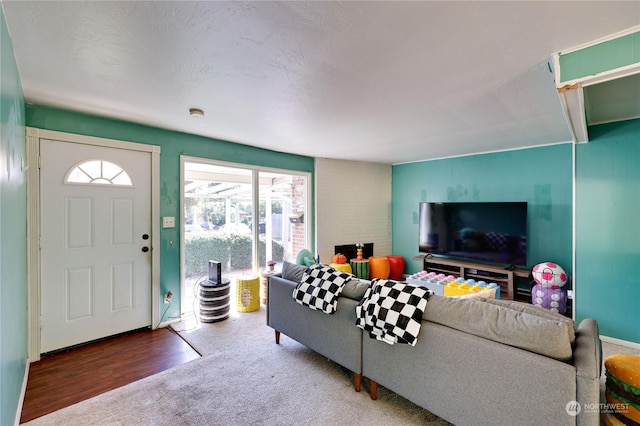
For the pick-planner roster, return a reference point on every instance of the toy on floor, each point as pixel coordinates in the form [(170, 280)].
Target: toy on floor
[(549, 291), (622, 391)]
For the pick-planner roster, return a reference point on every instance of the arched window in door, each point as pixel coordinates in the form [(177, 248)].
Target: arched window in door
[(99, 172)]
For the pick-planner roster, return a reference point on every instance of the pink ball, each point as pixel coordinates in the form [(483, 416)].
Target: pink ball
[(549, 274)]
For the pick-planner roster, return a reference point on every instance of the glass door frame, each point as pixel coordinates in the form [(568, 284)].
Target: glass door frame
[(255, 232)]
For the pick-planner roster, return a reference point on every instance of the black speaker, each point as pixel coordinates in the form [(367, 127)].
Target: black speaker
[(215, 272)]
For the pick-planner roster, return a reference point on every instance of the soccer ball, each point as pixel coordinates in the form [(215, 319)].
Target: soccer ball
[(549, 274)]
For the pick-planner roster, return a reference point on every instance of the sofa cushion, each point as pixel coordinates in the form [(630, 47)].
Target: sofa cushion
[(293, 272), (538, 311), (549, 337), (355, 288), (320, 287)]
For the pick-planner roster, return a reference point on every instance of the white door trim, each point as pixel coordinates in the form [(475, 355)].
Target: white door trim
[(33, 222)]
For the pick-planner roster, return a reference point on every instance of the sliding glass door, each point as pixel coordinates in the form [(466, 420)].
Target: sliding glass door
[(240, 216)]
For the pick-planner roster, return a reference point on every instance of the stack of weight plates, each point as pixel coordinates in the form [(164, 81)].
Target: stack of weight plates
[(215, 300)]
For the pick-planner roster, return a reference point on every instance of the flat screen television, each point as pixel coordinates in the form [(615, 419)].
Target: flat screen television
[(492, 232)]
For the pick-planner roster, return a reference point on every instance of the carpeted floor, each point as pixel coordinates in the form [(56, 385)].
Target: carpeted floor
[(244, 378)]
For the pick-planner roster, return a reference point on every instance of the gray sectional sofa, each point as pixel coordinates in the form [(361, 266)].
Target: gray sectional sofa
[(476, 361)]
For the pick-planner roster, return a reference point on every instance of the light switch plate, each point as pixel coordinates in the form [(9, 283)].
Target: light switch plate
[(168, 222)]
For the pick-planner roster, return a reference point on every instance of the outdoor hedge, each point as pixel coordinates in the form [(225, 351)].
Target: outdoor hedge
[(232, 250)]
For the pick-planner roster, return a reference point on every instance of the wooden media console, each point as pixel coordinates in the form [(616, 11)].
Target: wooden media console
[(504, 277)]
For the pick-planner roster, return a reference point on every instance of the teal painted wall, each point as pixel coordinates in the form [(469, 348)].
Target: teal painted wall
[(608, 229), (13, 233), (540, 176), (172, 145), (604, 56)]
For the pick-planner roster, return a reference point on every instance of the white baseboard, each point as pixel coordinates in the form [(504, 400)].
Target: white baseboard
[(23, 391), (625, 343), (168, 322)]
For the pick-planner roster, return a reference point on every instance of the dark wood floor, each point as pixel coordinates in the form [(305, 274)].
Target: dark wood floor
[(65, 378)]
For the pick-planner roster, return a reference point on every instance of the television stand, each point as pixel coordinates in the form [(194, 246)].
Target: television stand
[(500, 275)]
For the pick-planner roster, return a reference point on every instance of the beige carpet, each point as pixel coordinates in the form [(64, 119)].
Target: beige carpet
[(244, 378)]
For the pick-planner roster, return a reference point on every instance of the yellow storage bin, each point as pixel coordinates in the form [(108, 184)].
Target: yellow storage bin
[(248, 294)]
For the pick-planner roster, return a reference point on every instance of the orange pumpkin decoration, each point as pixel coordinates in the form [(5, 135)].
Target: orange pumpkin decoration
[(340, 259)]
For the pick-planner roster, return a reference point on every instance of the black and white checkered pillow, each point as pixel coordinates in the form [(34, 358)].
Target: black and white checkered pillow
[(392, 311), (320, 287)]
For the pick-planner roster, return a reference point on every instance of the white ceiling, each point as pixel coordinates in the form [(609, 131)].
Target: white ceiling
[(380, 81)]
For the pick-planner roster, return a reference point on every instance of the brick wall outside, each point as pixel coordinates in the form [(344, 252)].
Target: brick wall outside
[(298, 203)]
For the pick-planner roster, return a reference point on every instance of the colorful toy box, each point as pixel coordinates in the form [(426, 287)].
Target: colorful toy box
[(448, 285), (462, 287), (431, 280)]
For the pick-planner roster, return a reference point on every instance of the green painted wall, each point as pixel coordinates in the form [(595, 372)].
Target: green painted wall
[(608, 229), (172, 145), (604, 56), (13, 233), (539, 176)]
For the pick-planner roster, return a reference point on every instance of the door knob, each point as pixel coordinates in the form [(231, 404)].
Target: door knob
[(145, 236), (145, 249)]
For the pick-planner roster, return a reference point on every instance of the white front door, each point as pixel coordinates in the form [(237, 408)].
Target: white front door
[(95, 242)]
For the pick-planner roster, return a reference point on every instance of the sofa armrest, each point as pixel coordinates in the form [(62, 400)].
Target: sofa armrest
[(334, 336), (587, 359), (277, 291)]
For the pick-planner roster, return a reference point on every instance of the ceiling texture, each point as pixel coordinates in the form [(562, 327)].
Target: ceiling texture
[(387, 82)]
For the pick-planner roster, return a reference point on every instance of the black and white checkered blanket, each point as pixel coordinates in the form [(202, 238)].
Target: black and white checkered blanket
[(392, 311), (320, 288)]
